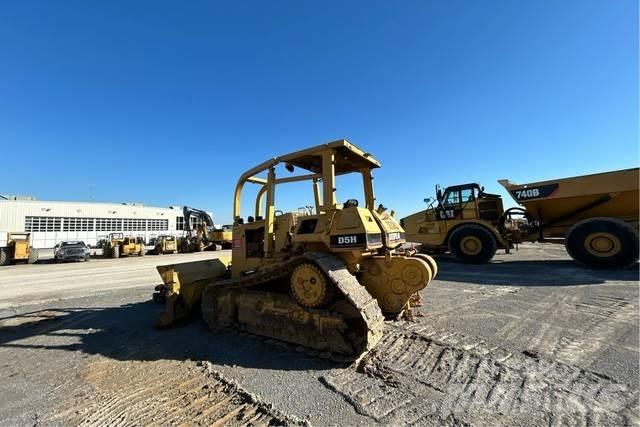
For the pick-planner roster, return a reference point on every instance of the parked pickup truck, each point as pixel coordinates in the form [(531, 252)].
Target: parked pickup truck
[(71, 251)]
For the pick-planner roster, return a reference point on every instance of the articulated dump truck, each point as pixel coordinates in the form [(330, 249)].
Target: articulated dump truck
[(325, 281), (594, 216)]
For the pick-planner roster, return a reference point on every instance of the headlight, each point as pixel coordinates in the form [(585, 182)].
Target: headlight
[(374, 238)]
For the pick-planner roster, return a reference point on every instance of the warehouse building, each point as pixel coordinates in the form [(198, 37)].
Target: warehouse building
[(52, 222)]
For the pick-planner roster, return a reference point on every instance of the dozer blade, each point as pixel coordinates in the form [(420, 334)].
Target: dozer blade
[(183, 285)]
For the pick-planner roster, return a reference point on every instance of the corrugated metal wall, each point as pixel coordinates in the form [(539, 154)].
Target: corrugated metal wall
[(14, 214)]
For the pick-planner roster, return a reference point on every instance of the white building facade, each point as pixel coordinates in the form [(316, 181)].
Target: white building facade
[(52, 222)]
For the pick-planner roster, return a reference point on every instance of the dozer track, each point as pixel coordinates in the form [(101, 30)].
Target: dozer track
[(344, 330)]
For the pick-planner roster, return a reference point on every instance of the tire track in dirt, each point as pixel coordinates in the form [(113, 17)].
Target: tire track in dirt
[(160, 393), (414, 377), (604, 317)]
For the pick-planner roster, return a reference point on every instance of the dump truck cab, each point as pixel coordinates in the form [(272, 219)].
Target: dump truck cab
[(463, 219), (467, 201)]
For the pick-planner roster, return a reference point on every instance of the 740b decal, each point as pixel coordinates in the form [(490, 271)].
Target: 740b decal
[(534, 192)]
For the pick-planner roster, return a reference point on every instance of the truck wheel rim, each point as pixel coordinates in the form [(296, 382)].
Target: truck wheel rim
[(309, 285), (471, 245), (602, 244)]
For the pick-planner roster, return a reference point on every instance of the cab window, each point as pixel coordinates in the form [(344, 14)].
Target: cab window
[(467, 195), (452, 198)]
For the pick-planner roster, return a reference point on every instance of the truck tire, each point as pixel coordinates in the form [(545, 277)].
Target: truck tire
[(33, 256), (5, 256), (603, 243), (143, 251), (115, 252), (472, 244)]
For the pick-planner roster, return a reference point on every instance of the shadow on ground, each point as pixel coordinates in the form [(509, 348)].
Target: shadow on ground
[(530, 273), (126, 333)]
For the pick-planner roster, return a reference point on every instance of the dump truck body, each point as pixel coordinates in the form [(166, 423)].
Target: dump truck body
[(559, 204)]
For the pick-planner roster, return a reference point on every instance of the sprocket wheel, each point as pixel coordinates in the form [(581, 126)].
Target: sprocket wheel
[(310, 286)]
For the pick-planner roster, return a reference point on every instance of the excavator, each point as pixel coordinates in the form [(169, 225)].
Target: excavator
[(197, 238), (325, 281), (204, 236)]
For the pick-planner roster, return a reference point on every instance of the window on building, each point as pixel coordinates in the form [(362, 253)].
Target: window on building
[(157, 224), (42, 224), (78, 224), (179, 223)]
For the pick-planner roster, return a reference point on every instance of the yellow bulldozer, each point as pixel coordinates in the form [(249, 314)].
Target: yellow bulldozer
[(325, 281), (18, 249), (117, 245), (165, 244), (594, 216)]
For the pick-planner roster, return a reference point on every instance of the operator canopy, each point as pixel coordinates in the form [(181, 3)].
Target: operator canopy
[(348, 158)]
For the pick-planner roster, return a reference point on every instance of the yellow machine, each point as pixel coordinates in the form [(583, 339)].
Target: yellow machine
[(165, 245), (595, 216), (18, 249), (222, 236), (118, 245), (324, 281), (197, 238)]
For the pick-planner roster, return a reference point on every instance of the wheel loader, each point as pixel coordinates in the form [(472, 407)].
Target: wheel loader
[(118, 245), (18, 249), (594, 216), (325, 281)]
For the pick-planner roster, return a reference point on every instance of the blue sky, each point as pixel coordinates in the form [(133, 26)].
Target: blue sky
[(167, 103)]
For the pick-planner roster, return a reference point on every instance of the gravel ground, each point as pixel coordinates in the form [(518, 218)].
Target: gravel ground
[(530, 338)]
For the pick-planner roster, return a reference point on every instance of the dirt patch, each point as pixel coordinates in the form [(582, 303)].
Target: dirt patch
[(161, 393), (414, 377)]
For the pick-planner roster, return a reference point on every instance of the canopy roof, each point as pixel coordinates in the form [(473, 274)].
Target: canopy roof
[(348, 158)]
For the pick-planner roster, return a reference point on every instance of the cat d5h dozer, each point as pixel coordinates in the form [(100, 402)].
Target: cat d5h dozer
[(324, 281)]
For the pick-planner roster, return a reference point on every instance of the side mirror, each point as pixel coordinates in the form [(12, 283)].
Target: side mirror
[(428, 200)]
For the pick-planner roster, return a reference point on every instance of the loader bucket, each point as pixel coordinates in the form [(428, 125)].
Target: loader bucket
[(183, 285)]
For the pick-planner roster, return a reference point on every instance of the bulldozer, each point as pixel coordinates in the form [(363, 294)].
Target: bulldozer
[(118, 245), (18, 249), (325, 281), (595, 216), (165, 244)]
